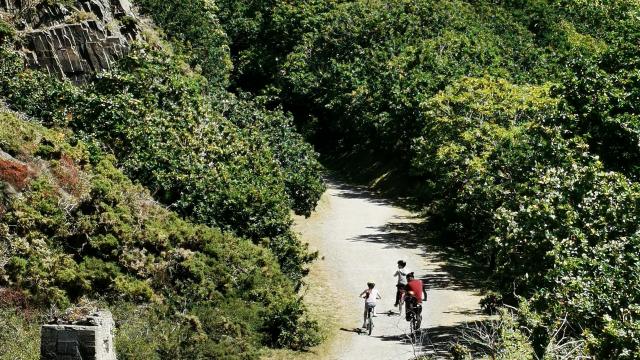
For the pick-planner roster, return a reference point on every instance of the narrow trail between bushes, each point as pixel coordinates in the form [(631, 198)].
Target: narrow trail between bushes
[(360, 237)]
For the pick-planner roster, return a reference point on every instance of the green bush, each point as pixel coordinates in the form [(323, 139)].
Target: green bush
[(518, 119), (241, 170), (357, 71), (113, 241), (297, 159), (193, 27), (19, 336), (7, 32)]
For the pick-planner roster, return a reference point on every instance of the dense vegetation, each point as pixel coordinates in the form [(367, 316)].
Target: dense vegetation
[(518, 120), (80, 228), (231, 172), (145, 190)]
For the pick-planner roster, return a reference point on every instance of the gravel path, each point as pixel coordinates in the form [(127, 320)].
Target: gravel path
[(360, 238)]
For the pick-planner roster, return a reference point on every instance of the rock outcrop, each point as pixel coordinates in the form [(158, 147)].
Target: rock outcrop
[(73, 41)]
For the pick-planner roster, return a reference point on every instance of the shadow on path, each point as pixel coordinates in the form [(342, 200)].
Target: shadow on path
[(402, 232), (453, 273), (350, 191), (436, 342), (353, 330), (478, 337)]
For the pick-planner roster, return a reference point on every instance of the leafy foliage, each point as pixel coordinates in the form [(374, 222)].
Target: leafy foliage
[(193, 27), (531, 199), (110, 239), (241, 173), (518, 118), (296, 158), (73, 225), (19, 334)]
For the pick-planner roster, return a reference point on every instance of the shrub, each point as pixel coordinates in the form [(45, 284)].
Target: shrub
[(7, 32), (115, 243), (519, 118), (242, 179), (68, 175), (14, 173), (194, 28), (80, 16)]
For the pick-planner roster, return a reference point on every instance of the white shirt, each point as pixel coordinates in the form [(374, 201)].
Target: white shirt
[(402, 275), (373, 297)]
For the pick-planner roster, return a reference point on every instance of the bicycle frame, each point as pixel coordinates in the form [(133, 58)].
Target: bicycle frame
[(369, 320), (414, 315)]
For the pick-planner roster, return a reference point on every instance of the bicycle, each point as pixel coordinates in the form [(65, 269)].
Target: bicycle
[(370, 295), (369, 321), (401, 301), (416, 319), (414, 314)]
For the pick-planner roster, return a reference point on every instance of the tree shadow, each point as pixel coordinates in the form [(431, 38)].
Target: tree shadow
[(457, 270), (351, 191), (401, 232), (353, 330), (357, 192), (454, 271), (436, 341)]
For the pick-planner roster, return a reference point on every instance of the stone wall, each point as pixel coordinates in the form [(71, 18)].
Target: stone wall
[(89, 339), (76, 41)]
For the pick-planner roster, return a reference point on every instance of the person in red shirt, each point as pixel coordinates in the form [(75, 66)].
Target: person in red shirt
[(417, 287), (416, 293)]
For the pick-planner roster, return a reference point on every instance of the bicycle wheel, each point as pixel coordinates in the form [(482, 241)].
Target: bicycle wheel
[(418, 320), (370, 325), (412, 325)]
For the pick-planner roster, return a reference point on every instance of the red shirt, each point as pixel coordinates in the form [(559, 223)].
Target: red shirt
[(416, 286)]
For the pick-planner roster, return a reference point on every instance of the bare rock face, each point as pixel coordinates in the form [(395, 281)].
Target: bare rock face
[(74, 42)]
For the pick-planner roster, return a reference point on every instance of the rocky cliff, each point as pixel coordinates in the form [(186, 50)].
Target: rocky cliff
[(72, 39)]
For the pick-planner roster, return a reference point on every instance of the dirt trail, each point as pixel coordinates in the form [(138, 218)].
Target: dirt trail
[(360, 238)]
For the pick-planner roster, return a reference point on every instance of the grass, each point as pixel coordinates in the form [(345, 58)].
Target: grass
[(325, 306), (19, 336)]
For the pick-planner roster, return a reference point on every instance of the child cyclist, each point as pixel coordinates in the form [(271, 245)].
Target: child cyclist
[(371, 297), (401, 273)]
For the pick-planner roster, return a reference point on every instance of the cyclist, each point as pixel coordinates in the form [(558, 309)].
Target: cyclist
[(401, 273), (371, 297), (416, 293)]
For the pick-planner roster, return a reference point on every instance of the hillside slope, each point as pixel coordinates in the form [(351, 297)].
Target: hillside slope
[(73, 226), (147, 188)]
